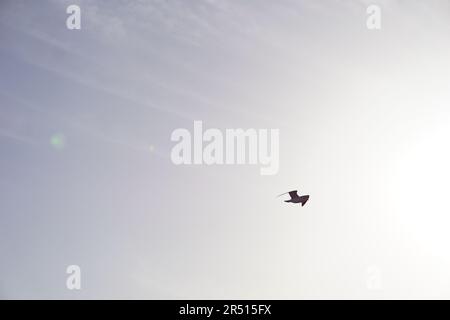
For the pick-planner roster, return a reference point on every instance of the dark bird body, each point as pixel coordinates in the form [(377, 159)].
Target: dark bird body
[(295, 198)]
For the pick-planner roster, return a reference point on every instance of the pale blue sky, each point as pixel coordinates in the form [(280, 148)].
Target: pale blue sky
[(354, 108)]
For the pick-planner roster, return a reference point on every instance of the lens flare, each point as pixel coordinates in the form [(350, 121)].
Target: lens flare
[(58, 141)]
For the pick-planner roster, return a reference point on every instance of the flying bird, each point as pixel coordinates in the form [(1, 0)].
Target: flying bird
[(295, 198)]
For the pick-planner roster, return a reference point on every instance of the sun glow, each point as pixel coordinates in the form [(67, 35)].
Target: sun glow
[(421, 191)]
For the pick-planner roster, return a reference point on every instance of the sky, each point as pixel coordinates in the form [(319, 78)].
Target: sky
[(86, 176)]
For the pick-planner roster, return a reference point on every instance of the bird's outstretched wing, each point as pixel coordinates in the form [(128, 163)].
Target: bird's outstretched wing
[(291, 193), (304, 199)]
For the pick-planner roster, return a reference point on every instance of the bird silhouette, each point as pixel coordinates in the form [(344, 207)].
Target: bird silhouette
[(295, 198)]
